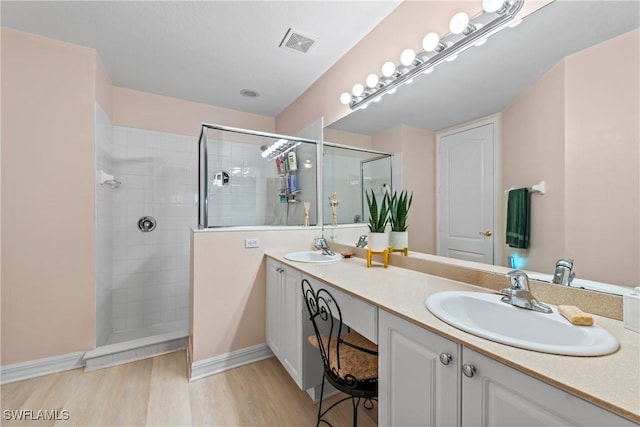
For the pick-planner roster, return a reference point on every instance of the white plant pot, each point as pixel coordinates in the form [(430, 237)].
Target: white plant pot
[(378, 242), (399, 239)]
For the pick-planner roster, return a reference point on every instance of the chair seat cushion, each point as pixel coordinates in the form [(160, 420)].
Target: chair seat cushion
[(353, 362)]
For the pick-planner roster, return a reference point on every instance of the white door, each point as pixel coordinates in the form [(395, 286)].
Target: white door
[(466, 193)]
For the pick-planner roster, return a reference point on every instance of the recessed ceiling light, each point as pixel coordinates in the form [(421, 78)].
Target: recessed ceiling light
[(249, 93)]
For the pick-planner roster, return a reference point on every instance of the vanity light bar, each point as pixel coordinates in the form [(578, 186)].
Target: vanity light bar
[(464, 34)]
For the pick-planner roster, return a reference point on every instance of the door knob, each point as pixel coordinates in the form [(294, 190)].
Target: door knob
[(485, 233)]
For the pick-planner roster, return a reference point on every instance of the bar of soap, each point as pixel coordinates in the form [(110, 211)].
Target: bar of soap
[(576, 316)]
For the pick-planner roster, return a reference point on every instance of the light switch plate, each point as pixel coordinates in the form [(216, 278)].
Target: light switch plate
[(251, 243)]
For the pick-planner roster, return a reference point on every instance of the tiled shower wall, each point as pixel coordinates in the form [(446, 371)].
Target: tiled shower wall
[(151, 270), (242, 201), (104, 226)]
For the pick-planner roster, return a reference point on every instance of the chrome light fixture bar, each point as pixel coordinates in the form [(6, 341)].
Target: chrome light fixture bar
[(464, 33)]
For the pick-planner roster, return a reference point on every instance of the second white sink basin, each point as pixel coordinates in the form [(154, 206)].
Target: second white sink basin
[(311, 256), (484, 315)]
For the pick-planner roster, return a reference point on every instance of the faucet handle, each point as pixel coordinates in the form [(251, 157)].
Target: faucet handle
[(519, 280)]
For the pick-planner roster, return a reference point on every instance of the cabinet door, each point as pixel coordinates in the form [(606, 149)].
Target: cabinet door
[(415, 387), (497, 395), (274, 296), (291, 316)]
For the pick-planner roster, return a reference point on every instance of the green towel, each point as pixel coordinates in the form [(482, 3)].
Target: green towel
[(518, 218)]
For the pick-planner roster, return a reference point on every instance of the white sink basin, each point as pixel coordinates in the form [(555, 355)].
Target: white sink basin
[(486, 316), (312, 256)]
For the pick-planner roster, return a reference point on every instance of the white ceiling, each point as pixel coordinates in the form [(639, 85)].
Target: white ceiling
[(484, 80), (206, 51)]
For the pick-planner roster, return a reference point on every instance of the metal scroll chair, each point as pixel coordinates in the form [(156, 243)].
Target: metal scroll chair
[(350, 360)]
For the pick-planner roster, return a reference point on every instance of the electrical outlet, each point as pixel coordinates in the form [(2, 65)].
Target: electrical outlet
[(251, 243)]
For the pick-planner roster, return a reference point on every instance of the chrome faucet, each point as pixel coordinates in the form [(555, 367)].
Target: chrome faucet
[(320, 243), (564, 274), (362, 241), (520, 295)]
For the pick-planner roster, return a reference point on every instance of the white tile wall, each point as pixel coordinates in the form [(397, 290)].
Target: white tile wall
[(151, 270), (104, 226), (242, 202)]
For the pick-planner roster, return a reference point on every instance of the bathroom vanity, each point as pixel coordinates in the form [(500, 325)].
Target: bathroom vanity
[(431, 373)]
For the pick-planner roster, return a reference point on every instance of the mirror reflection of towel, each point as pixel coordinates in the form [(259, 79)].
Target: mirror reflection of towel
[(518, 219)]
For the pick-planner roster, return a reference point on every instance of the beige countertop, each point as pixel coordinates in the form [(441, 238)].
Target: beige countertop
[(611, 382)]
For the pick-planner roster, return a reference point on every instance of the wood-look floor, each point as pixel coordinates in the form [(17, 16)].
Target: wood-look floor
[(155, 392)]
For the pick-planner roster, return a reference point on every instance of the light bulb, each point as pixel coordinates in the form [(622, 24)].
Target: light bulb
[(458, 23), (491, 6), (388, 68), (358, 89), (407, 57), (430, 42), (345, 98), (372, 80)]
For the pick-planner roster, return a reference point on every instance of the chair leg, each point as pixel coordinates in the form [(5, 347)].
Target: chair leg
[(355, 402), (320, 403)]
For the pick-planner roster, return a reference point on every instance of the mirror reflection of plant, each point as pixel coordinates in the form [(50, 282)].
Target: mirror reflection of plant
[(378, 216), (399, 210)]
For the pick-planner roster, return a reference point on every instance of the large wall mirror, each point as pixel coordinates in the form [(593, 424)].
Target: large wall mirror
[(569, 51)]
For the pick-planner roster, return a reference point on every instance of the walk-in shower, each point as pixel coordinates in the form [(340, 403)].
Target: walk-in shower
[(142, 291)]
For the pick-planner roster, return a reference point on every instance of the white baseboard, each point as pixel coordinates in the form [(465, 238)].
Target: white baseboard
[(39, 367), (224, 362)]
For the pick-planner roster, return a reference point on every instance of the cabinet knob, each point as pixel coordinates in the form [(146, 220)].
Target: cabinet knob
[(468, 370), (445, 358)]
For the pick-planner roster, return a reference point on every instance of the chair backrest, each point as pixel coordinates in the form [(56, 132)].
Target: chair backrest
[(326, 317)]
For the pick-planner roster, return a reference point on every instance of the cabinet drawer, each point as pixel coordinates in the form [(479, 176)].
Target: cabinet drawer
[(359, 315)]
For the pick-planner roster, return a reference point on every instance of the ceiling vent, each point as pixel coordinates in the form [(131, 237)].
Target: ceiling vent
[(296, 42)]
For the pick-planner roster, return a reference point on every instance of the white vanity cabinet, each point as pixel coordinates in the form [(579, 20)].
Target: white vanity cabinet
[(427, 380), (418, 375), (284, 319), (288, 326)]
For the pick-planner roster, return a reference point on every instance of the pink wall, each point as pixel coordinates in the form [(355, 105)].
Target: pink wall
[(228, 311), (417, 147), (160, 113), (407, 24), (601, 160), (48, 221), (533, 150), (104, 88), (577, 128), (347, 138)]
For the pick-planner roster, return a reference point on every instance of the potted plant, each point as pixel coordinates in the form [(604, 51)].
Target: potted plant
[(378, 219), (399, 210)]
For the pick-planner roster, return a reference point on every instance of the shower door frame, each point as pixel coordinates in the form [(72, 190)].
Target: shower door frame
[(203, 172)]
